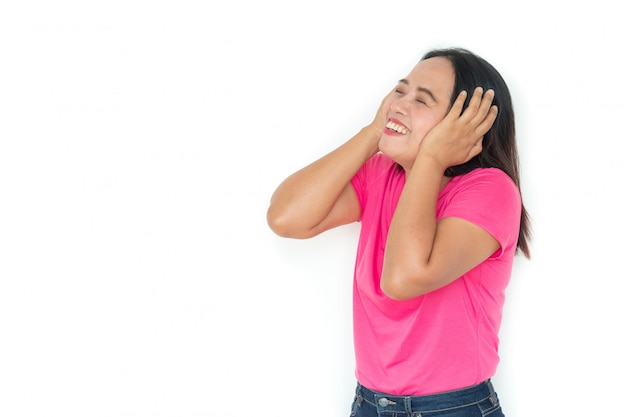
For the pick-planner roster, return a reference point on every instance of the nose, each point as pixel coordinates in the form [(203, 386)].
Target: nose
[(399, 105)]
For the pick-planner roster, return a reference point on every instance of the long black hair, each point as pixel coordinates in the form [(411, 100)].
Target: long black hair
[(499, 143)]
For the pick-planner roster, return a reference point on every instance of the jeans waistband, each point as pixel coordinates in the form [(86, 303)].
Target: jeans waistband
[(434, 402)]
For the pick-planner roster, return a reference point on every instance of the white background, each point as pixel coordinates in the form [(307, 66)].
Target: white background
[(140, 144)]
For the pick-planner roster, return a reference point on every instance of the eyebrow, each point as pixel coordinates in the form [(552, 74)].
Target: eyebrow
[(421, 89)]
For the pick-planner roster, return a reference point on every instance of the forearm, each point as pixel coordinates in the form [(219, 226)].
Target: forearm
[(411, 236), (306, 198)]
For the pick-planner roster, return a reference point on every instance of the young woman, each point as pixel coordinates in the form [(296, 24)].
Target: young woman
[(434, 182)]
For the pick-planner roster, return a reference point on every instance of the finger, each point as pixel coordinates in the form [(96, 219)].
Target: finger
[(479, 107), (483, 116), (488, 120), (457, 106), (474, 103), (383, 108), (486, 102)]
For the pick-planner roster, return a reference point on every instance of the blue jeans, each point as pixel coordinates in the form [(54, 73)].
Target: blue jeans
[(475, 401)]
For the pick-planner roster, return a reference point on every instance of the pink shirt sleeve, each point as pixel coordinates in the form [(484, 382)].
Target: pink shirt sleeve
[(489, 199)]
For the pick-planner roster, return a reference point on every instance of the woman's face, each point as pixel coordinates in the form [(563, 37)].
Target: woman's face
[(420, 101)]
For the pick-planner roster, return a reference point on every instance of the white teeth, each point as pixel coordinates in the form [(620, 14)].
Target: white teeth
[(397, 128)]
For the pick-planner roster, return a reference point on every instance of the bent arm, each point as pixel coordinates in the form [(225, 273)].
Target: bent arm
[(423, 254), (319, 196)]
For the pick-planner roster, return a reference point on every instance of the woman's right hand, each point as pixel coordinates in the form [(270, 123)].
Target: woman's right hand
[(380, 120)]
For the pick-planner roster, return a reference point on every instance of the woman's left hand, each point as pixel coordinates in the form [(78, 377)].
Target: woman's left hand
[(458, 137)]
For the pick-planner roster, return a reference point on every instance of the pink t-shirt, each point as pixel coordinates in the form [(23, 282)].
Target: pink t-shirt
[(446, 339)]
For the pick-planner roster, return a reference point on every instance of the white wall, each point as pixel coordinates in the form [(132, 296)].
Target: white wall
[(141, 141)]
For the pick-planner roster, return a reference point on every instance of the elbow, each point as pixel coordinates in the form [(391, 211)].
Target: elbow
[(399, 285), (396, 291), (280, 223), (277, 223)]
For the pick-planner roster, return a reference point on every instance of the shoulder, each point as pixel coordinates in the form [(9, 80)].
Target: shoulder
[(487, 177), (488, 185), (487, 197), (380, 178), (375, 169)]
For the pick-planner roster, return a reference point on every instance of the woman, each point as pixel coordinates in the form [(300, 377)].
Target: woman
[(434, 182)]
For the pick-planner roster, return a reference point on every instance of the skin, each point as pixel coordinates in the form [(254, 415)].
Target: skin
[(422, 254)]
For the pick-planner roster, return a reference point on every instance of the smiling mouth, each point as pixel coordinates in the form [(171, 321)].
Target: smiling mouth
[(397, 128)]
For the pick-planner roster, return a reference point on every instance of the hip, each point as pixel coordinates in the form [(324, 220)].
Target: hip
[(478, 400)]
